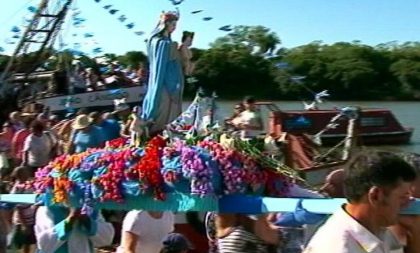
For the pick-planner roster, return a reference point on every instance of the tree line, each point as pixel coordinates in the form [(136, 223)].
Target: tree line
[(250, 60)]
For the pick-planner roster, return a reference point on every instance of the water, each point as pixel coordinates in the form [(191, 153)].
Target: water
[(408, 114)]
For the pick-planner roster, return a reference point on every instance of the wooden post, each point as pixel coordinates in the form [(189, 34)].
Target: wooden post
[(352, 133), (348, 145)]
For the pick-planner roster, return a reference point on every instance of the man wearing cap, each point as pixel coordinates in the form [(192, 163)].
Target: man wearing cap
[(176, 243), (122, 110)]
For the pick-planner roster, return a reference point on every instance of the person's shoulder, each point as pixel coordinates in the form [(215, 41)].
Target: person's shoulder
[(97, 130), (326, 239), (169, 214), (29, 137), (133, 214), (110, 122)]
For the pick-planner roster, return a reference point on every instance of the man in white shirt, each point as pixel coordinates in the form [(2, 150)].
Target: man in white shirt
[(249, 121), (376, 185), (143, 231)]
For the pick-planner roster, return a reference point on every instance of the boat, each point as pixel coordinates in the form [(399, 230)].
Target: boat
[(373, 126), (94, 100)]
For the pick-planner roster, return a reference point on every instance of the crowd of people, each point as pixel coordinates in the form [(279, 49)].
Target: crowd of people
[(376, 184), (112, 75)]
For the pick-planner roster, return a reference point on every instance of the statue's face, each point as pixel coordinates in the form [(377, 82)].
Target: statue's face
[(171, 26)]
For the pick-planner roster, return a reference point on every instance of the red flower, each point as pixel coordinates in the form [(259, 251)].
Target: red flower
[(148, 168)]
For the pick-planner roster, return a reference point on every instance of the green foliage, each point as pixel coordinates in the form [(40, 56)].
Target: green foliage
[(236, 65), (133, 59), (3, 62)]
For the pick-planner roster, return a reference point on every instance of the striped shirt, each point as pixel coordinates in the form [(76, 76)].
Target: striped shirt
[(241, 241), (23, 214)]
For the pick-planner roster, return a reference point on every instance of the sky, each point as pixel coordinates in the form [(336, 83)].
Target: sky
[(296, 22)]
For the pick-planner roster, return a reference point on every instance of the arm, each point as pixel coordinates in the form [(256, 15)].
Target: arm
[(101, 232), (267, 232), (224, 223), (51, 237), (14, 146), (129, 242), (26, 148), (411, 225), (125, 130), (258, 124), (132, 226)]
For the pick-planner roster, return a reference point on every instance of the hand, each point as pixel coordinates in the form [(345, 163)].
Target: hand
[(411, 223), (84, 220), (72, 217)]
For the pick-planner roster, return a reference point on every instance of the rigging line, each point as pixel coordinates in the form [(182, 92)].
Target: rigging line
[(68, 23), (15, 13), (326, 101)]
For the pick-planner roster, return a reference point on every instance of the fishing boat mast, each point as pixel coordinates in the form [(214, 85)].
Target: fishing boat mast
[(39, 36)]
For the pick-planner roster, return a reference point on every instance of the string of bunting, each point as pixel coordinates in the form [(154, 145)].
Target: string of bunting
[(121, 17)]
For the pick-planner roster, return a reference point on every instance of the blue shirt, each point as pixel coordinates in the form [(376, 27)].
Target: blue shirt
[(110, 129), (94, 138)]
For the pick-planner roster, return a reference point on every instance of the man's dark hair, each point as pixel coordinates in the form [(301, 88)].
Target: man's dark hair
[(27, 121), (249, 100), (37, 126), (82, 111), (375, 168)]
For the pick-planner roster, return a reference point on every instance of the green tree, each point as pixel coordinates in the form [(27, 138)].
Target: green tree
[(133, 59), (257, 39)]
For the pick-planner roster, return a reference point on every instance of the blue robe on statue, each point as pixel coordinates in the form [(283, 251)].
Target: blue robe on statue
[(163, 101)]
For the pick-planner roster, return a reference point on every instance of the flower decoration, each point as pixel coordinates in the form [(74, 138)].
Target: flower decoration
[(117, 172), (148, 168)]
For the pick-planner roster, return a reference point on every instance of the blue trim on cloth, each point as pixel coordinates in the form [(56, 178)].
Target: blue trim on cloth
[(59, 215), (180, 202)]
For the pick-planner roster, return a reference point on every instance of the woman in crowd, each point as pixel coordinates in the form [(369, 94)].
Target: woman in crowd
[(23, 236), (19, 140), (6, 137), (245, 234), (5, 220), (143, 231), (37, 147)]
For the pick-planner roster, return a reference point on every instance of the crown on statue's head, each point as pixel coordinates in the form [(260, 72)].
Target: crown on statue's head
[(169, 16)]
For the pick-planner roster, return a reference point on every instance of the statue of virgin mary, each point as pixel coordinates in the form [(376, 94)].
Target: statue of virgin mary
[(163, 100)]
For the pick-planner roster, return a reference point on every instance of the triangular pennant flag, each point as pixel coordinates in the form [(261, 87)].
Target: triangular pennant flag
[(122, 18), (130, 26)]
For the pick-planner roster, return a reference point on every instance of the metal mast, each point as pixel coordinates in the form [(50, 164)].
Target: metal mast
[(38, 36)]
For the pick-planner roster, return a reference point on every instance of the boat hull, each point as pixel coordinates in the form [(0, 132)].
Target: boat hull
[(373, 127), (378, 138), (95, 99)]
